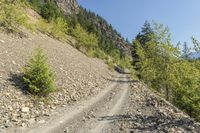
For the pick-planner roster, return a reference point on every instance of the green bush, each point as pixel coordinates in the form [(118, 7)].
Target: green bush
[(110, 64), (37, 75), (85, 39), (97, 53), (125, 62), (57, 28), (12, 15), (44, 26)]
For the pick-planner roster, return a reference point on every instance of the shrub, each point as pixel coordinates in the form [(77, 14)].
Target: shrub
[(37, 75), (56, 28), (97, 53), (110, 64), (85, 39), (43, 26), (12, 15), (125, 62)]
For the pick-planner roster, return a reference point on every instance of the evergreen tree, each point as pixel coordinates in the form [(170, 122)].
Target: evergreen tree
[(143, 37), (37, 75), (47, 9), (196, 44), (186, 51)]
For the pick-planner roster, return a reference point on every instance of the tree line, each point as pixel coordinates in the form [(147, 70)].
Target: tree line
[(168, 69)]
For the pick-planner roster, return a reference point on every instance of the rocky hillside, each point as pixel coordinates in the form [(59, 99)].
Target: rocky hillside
[(95, 24), (77, 77), (109, 37)]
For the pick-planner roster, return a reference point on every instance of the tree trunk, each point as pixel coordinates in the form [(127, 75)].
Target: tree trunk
[(167, 93)]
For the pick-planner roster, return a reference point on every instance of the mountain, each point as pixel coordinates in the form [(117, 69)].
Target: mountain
[(107, 34), (109, 37)]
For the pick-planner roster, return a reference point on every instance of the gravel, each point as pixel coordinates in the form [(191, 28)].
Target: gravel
[(77, 77), (147, 112)]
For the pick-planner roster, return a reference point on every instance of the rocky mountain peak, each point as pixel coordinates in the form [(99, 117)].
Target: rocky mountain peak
[(68, 6)]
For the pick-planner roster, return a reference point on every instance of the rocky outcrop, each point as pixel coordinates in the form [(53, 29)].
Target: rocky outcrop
[(68, 6)]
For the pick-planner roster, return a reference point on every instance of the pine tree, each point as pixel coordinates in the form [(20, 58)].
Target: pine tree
[(143, 37), (196, 44), (37, 75), (50, 10), (186, 51)]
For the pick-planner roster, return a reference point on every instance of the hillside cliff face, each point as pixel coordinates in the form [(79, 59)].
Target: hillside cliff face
[(95, 24), (68, 6), (109, 37)]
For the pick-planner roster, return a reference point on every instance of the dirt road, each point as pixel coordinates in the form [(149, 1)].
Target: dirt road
[(87, 115), (125, 106)]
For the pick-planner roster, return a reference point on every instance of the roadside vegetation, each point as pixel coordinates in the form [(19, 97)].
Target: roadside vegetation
[(168, 70)]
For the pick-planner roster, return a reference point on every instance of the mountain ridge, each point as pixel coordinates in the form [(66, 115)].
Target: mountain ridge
[(96, 24)]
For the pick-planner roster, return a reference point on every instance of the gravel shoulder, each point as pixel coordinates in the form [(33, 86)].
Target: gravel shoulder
[(146, 112)]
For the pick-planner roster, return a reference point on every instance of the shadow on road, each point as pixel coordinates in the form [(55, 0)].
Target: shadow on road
[(122, 79)]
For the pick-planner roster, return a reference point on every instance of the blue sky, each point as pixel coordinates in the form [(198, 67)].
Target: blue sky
[(128, 16)]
